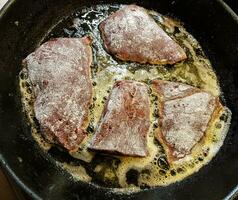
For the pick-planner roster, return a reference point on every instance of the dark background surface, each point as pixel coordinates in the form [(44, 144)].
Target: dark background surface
[(220, 45)]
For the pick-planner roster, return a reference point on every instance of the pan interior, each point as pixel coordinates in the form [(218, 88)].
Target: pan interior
[(122, 172)]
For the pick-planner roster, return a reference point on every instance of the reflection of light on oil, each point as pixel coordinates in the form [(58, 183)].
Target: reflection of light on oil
[(152, 170)]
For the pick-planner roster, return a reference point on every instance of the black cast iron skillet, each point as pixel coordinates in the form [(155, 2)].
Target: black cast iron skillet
[(215, 26)]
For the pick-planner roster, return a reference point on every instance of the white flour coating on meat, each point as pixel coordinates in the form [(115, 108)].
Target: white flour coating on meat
[(59, 71), (125, 122), (190, 116), (171, 90), (185, 112), (132, 35), (110, 171)]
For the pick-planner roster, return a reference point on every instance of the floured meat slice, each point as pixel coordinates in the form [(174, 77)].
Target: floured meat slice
[(125, 121), (132, 35), (184, 115), (59, 71)]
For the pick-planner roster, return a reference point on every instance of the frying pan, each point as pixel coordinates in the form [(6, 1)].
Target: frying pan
[(24, 23)]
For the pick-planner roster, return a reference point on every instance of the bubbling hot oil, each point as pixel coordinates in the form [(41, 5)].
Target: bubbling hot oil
[(124, 172)]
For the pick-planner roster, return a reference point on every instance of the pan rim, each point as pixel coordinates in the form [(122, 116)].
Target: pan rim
[(6, 168), (234, 193), (3, 164), (5, 7)]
